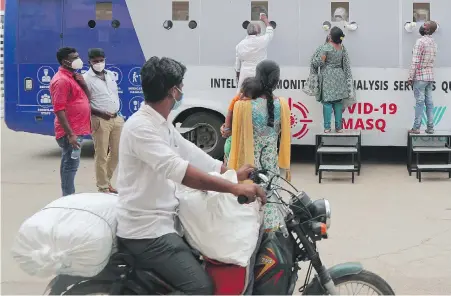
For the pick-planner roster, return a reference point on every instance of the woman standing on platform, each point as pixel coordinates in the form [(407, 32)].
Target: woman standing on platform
[(331, 67)]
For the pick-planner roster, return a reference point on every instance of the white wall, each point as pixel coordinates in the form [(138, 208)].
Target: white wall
[(2, 92), (380, 41)]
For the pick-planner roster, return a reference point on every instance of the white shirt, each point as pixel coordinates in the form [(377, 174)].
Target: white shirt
[(153, 158), (250, 52), (104, 93)]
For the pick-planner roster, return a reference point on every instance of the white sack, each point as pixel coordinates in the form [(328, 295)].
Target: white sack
[(218, 226), (72, 235)]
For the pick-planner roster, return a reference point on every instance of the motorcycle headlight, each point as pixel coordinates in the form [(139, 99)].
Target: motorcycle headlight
[(328, 213), (321, 209)]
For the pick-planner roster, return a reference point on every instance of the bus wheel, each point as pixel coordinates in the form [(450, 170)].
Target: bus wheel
[(209, 136)]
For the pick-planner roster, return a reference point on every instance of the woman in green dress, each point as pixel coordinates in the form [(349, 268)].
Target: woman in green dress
[(336, 92)]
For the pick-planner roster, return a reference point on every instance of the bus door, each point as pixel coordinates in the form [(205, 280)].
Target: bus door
[(39, 37)]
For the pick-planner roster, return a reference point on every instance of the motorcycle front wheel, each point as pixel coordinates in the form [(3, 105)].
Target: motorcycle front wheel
[(363, 283)]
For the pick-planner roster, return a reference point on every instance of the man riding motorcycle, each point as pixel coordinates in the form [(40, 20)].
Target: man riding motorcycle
[(153, 159)]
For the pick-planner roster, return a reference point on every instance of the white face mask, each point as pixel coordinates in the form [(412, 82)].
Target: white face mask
[(99, 67), (77, 64), (177, 103)]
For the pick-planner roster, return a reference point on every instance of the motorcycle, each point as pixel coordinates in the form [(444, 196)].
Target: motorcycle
[(306, 223)]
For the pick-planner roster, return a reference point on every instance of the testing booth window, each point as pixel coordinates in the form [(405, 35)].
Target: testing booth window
[(421, 12), (339, 11), (104, 11), (180, 10), (258, 7)]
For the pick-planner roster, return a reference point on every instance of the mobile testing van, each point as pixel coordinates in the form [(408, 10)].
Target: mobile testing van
[(203, 34)]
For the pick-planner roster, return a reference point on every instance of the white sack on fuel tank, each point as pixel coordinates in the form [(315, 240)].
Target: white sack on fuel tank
[(217, 225)]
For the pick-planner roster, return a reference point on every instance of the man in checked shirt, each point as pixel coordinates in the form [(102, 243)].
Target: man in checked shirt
[(421, 75)]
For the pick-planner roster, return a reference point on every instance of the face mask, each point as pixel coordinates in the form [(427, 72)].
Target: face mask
[(99, 67), (177, 103), (77, 64)]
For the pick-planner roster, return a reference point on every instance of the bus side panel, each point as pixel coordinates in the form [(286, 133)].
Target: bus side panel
[(38, 34), (121, 44), (124, 55), (44, 26), (10, 67)]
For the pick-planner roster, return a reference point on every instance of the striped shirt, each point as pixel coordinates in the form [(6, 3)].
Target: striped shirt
[(424, 54)]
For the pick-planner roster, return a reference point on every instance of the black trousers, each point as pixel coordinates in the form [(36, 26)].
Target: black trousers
[(171, 258)]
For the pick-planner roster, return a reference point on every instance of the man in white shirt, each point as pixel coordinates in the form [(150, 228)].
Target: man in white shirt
[(252, 50), (106, 121), (153, 158)]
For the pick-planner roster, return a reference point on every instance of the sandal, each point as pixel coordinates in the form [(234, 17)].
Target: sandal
[(339, 130), (326, 131), (111, 189)]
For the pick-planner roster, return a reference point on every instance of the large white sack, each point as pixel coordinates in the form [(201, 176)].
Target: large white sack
[(217, 225), (72, 235)]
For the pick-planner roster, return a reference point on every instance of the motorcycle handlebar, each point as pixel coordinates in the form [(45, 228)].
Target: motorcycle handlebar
[(264, 179), (242, 199)]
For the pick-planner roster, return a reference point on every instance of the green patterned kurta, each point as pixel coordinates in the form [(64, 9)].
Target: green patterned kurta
[(335, 73), (267, 136)]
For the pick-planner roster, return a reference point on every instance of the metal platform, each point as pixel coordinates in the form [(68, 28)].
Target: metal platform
[(443, 147), (431, 149), (446, 168), (337, 168), (435, 134), (337, 150), (344, 133), (322, 148)]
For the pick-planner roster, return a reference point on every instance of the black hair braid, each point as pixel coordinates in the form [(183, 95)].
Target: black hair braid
[(268, 72), (267, 92)]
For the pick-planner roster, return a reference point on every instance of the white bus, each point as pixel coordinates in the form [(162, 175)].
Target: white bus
[(203, 34)]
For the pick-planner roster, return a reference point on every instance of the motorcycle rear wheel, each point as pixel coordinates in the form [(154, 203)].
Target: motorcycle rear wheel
[(357, 284)]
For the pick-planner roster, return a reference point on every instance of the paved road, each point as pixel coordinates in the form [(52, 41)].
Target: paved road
[(395, 226)]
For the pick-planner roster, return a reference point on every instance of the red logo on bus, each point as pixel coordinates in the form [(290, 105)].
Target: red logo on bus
[(300, 120)]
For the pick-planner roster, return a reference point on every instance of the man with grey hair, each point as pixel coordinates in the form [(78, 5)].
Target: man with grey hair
[(252, 50)]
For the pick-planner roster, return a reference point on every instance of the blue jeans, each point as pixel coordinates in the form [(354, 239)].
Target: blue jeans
[(422, 91), (336, 108), (68, 167)]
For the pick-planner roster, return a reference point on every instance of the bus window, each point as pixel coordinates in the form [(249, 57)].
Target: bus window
[(180, 10), (421, 12), (339, 11), (104, 11), (258, 7)]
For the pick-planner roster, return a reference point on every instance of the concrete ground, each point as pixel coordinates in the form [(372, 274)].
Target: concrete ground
[(395, 226)]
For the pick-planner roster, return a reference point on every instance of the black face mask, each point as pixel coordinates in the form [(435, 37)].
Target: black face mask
[(422, 32)]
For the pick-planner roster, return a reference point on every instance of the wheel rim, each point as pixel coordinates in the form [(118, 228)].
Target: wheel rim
[(207, 137), (357, 288)]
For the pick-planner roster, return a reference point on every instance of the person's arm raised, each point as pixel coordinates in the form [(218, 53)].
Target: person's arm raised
[(269, 34)]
